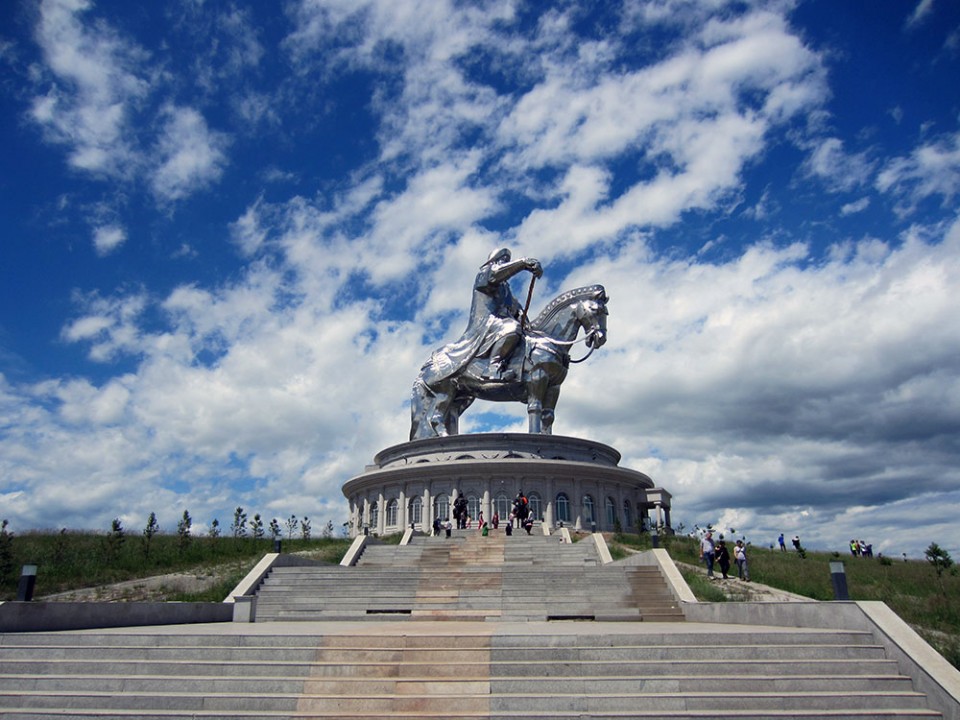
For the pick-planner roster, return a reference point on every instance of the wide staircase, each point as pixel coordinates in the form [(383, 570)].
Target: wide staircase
[(469, 577), (454, 670), (495, 627)]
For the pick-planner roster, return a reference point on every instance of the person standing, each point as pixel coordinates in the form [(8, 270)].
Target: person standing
[(723, 558), (740, 558), (783, 545), (708, 552)]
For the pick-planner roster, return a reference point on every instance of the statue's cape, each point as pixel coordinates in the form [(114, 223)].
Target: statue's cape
[(451, 359)]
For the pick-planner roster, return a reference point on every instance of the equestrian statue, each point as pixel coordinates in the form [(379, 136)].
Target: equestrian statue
[(504, 357)]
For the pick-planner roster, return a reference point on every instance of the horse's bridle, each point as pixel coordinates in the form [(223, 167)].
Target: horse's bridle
[(594, 330)]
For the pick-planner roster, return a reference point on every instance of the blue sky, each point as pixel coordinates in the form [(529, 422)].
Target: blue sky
[(233, 232)]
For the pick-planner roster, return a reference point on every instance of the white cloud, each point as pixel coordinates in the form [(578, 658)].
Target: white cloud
[(109, 325), (191, 156), (857, 206), (96, 81), (839, 170), (920, 13), (247, 231), (108, 238), (931, 169)]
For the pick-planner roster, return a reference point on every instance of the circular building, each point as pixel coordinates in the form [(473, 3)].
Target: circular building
[(569, 481)]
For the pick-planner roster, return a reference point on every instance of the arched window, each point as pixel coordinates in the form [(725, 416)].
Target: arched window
[(374, 514), (563, 508), (415, 514), (502, 506), (536, 506), (473, 507), (392, 513), (441, 506), (611, 509), (588, 514), (627, 515)]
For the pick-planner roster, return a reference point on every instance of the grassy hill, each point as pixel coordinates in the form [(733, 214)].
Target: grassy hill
[(912, 589), (69, 560)]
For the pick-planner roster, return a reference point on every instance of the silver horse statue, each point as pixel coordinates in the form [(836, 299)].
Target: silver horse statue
[(532, 374)]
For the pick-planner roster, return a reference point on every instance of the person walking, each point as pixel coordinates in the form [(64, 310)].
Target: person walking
[(708, 552), (740, 558), (723, 558)]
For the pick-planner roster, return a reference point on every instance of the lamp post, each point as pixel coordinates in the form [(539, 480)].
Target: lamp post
[(838, 578), (28, 579)]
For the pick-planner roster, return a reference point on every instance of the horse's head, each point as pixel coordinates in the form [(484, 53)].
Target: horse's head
[(592, 314)]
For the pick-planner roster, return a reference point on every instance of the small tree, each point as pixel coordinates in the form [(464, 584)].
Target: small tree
[(940, 559), (214, 528), (239, 526), (60, 547), (275, 530), (257, 526), (305, 528), (115, 540), (152, 528), (291, 526), (183, 531), (6, 551), (328, 529)]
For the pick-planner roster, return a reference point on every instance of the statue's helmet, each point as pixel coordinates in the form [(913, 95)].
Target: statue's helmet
[(501, 255)]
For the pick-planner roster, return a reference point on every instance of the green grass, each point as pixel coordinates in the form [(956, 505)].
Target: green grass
[(71, 560)]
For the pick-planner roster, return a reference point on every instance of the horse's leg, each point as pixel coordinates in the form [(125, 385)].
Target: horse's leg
[(458, 403), (537, 384), (427, 410), (439, 416), (421, 408), (548, 414)]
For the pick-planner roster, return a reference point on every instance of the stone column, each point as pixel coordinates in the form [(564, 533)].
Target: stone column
[(381, 515), (426, 512)]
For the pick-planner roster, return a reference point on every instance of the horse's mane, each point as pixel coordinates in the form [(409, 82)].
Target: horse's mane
[(563, 300)]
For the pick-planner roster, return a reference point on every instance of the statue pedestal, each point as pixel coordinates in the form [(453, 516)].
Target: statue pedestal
[(569, 481)]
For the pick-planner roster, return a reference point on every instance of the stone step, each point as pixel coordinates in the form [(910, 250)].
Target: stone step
[(667, 674), (446, 713), (526, 685), (467, 696)]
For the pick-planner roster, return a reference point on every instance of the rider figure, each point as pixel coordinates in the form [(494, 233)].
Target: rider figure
[(495, 313)]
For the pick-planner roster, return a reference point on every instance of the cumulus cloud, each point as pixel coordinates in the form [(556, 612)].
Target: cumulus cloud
[(96, 80), (932, 169), (190, 155), (108, 238), (836, 168)]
